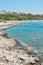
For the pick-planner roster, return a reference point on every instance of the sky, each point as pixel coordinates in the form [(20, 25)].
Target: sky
[(26, 6)]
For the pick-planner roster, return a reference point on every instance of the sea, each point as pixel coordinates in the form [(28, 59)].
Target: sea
[(31, 33)]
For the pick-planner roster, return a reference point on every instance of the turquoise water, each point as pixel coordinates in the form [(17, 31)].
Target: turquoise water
[(30, 33)]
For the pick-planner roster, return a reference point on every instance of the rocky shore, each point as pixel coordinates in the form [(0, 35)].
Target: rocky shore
[(13, 52)]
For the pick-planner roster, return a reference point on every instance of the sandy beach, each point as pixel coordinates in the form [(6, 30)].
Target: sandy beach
[(17, 21), (9, 23)]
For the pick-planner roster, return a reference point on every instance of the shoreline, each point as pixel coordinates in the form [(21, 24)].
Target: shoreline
[(9, 44), (13, 48), (14, 21), (5, 24)]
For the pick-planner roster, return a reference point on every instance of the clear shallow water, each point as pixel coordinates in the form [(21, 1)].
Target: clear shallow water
[(30, 33)]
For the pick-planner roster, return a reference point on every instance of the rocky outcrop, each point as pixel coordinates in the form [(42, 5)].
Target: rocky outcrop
[(12, 52)]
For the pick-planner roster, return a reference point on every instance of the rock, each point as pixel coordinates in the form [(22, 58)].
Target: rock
[(37, 59), (12, 52), (27, 64), (6, 35), (41, 63), (32, 64)]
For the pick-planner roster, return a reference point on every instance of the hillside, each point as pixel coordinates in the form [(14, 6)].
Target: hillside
[(19, 16)]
